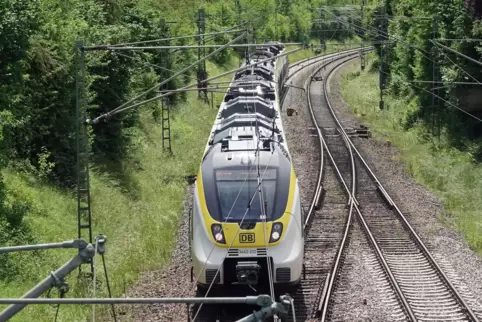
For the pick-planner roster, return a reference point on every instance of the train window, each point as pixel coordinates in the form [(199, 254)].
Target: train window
[(235, 189)]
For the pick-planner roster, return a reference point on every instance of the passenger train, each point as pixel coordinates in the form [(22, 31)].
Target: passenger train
[(247, 217)]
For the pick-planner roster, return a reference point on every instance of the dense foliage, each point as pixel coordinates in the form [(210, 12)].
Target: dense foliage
[(411, 59)]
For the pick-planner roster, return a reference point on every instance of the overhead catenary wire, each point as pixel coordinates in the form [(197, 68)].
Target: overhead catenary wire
[(379, 31), (100, 47), (154, 65), (97, 119), (422, 51), (456, 52), (125, 108), (197, 46), (441, 98), (463, 70), (435, 43)]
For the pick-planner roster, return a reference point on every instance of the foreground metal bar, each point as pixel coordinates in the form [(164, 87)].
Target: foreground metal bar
[(250, 300), (79, 243), (269, 309), (54, 279)]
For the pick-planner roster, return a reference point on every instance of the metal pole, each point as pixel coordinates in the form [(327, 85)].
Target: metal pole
[(276, 20), (435, 100), (382, 60), (362, 54), (84, 211), (85, 255), (238, 11), (103, 47), (201, 72)]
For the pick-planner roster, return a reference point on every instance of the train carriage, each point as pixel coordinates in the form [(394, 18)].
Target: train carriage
[(247, 218)]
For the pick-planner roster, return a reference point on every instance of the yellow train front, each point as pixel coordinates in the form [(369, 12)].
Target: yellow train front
[(247, 218)]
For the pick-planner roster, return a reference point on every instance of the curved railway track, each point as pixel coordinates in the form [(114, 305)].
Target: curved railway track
[(351, 212), (318, 235), (423, 291)]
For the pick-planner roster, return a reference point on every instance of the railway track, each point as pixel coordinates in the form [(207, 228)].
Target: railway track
[(319, 236), (420, 290)]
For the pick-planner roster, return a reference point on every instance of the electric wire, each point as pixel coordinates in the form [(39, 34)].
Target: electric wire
[(229, 30), (441, 98), (166, 80), (408, 44), (379, 31), (57, 313), (119, 110), (459, 67), (456, 52)]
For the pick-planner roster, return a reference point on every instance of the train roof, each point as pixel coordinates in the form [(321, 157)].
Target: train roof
[(248, 118)]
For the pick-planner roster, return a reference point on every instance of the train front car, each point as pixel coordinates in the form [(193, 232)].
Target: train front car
[(247, 219)]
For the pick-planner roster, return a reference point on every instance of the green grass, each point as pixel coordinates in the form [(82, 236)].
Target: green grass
[(140, 225), (447, 172)]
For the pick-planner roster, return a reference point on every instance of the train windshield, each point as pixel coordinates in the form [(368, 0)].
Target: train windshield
[(237, 188)]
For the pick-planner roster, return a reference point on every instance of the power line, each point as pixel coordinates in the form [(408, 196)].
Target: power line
[(197, 46), (97, 119), (125, 108), (441, 98), (99, 47), (456, 52)]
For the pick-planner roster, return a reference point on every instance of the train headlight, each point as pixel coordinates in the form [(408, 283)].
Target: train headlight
[(218, 234), (276, 231)]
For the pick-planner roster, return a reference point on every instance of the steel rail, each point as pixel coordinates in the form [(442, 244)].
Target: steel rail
[(315, 292), (354, 204), (328, 285), (315, 59), (322, 144), (400, 215)]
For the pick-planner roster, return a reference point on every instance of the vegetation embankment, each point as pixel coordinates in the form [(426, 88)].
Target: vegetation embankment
[(413, 58), (448, 172)]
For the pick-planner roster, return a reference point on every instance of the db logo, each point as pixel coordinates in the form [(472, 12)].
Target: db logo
[(246, 238)]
